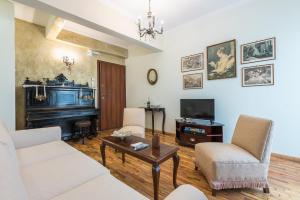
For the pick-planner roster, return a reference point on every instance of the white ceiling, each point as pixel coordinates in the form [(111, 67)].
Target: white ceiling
[(32, 15), (39, 17), (173, 12)]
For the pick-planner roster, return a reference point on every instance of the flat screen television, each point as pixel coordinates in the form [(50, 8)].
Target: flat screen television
[(198, 109)]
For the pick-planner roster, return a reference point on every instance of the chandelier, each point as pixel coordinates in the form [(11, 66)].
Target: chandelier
[(152, 30)]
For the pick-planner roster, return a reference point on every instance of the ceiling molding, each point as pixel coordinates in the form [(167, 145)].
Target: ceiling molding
[(54, 27), (96, 16), (41, 18), (95, 45)]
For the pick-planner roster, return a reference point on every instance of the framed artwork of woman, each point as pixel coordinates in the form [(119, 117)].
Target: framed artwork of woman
[(221, 60)]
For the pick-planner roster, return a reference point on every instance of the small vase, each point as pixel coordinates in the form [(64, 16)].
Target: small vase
[(155, 141)]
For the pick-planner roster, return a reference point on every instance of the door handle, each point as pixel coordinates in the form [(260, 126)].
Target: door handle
[(102, 97)]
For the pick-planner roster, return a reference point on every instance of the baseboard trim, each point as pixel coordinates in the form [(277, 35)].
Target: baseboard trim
[(286, 157)]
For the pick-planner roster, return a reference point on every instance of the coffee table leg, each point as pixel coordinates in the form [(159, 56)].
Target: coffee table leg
[(175, 169), (163, 122), (155, 176), (102, 149), (152, 122)]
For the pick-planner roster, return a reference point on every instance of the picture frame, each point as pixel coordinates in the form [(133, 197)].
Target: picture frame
[(260, 75), (193, 81), (152, 76), (192, 63), (221, 60), (258, 51)]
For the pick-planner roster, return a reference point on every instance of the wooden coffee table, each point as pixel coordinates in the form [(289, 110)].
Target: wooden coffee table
[(149, 155)]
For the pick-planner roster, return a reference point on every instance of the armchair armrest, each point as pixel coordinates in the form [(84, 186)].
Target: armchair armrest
[(186, 192), (31, 137)]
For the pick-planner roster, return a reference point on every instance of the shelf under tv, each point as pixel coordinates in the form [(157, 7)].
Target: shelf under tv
[(205, 132)]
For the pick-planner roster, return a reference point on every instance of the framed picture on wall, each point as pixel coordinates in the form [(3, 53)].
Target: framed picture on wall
[(192, 62), (221, 60), (261, 75), (258, 51), (193, 81)]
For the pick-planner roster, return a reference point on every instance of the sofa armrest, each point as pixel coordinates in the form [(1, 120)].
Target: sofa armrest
[(186, 192), (31, 137)]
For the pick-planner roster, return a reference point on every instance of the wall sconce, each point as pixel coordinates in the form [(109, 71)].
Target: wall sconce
[(69, 62)]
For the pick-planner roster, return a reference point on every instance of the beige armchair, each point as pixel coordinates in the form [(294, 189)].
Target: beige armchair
[(134, 121), (242, 164)]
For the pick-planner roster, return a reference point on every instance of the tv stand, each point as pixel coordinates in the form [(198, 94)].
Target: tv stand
[(197, 131)]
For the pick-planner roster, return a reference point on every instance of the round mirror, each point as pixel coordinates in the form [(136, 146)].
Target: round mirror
[(152, 76)]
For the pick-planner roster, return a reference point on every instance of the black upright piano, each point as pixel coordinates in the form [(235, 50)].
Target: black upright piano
[(59, 103)]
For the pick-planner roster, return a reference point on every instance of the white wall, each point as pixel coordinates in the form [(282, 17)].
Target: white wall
[(251, 21), (7, 63)]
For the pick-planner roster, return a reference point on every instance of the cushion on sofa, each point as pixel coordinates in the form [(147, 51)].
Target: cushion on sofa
[(6, 139), (37, 136), (11, 185), (104, 187), (228, 162), (39, 153), (188, 192), (47, 179), (252, 133)]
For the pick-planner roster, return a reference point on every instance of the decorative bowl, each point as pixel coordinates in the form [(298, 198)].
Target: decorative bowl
[(121, 134)]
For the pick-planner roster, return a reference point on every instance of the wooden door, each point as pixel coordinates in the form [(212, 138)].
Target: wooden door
[(112, 95)]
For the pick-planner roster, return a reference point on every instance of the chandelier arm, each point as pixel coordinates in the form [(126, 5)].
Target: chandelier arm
[(142, 29), (159, 32), (142, 34), (153, 35)]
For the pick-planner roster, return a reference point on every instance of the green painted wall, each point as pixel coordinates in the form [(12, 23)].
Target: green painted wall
[(38, 57)]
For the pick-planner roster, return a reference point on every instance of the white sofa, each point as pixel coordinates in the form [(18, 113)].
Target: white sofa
[(37, 165)]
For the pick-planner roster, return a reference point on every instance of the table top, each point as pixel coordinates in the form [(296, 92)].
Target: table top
[(154, 108), (199, 122), (149, 154)]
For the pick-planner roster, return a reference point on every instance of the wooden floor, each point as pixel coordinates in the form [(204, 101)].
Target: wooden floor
[(284, 175)]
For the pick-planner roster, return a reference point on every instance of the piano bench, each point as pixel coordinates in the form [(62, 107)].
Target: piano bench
[(84, 128)]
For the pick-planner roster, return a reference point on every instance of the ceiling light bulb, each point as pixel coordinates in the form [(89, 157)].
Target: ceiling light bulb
[(162, 22)]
